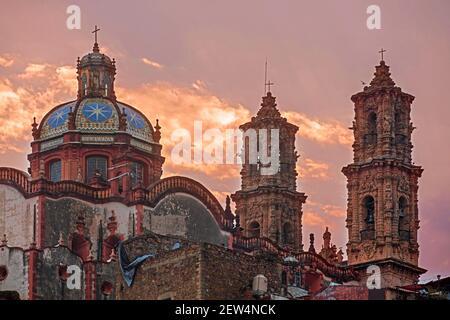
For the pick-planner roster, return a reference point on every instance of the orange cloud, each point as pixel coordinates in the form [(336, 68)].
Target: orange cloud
[(34, 70), (309, 168), (328, 132), (178, 108), (46, 86), (335, 211), (6, 61), (312, 218)]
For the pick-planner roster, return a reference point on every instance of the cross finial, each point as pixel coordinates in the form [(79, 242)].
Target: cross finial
[(267, 84), (95, 32), (382, 51)]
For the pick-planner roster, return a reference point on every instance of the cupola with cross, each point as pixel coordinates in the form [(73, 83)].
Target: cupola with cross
[(96, 139), (96, 73)]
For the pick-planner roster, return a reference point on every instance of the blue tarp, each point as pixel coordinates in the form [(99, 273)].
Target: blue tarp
[(129, 268)]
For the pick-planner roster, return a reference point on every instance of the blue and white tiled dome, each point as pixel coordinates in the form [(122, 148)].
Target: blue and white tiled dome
[(95, 115), (96, 110)]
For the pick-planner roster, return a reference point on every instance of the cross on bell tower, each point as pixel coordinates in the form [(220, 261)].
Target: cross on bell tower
[(382, 51), (267, 83)]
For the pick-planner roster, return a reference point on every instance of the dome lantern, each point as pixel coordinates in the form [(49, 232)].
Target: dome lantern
[(96, 74)]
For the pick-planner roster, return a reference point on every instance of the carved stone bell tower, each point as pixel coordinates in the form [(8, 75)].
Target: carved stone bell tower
[(382, 211), (268, 204)]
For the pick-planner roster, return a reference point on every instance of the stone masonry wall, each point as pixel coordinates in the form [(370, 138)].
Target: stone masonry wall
[(172, 275), (226, 274)]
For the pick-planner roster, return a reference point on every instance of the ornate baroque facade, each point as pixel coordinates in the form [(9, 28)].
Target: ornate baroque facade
[(382, 211), (269, 205)]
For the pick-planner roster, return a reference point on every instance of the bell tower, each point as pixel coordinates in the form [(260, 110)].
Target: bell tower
[(268, 204), (382, 182)]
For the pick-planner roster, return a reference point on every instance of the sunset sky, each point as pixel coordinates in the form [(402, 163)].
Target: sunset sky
[(182, 61)]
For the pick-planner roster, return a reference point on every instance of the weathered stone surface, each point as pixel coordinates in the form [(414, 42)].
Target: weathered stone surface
[(191, 272), (48, 284), (182, 215), (269, 205), (382, 208)]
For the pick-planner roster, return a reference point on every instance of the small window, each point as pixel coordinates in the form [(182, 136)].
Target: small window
[(55, 171), (137, 173), (402, 207), (372, 123), (94, 164), (254, 229), (369, 208), (371, 136), (368, 215), (287, 237)]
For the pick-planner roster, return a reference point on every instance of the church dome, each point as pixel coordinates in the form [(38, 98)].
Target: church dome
[(96, 109), (96, 115), (95, 57)]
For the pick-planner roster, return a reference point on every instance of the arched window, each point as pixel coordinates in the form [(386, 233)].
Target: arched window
[(369, 210), (254, 229), (95, 163), (371, 137), (136, 173), (400, 137), (55, 171), (373, 122), (368, 206), (287, 237), (403, 225)]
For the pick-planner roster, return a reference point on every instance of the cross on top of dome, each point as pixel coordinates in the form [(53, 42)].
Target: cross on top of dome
[(96, 48)]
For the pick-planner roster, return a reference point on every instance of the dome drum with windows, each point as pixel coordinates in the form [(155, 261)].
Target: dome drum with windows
[(96, 138)]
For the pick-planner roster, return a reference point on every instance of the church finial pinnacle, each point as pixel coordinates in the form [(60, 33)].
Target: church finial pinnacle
[(382, 51), (96, 48), (267, 83)]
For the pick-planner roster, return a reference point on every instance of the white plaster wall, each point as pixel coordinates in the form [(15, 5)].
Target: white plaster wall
[(103, 212), (16, 217), (17, 279)]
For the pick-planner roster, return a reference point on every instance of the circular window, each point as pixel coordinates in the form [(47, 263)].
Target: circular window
[(3, 272)]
